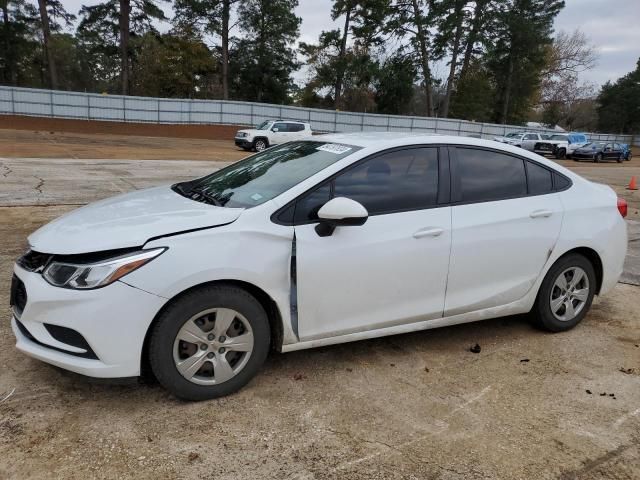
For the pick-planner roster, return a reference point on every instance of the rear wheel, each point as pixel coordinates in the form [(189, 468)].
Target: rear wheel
[(620, 158), (209, 342), (566, 294), (598, 158)]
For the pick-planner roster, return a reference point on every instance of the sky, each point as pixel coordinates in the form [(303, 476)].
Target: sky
[(611, 25)]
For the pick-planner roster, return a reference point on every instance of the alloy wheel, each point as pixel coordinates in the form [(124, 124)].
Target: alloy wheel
[(213, 346), (260, 145), (569, 294)]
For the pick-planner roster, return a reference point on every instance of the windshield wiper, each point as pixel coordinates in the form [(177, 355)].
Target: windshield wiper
[(200, 195)]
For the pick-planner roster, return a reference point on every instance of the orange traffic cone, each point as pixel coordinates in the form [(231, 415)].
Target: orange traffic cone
[(632, 184)]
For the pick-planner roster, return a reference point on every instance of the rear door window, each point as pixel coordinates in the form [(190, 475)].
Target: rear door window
[(485, 175)]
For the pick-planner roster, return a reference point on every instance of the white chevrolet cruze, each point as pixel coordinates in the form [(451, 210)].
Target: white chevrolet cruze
[(316, 242)]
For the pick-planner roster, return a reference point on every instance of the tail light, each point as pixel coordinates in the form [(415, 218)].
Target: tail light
[(622, 207)]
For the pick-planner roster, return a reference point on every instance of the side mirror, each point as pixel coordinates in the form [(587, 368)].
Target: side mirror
[(274, 129), (340, 212)]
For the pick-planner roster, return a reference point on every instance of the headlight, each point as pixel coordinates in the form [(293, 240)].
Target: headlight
[(242, 135), (99, 274)]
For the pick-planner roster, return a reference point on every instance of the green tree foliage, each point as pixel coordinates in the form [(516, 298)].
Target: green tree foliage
[(521, 33), (17, 42), (104, 37), (172, 65), (394, 85), (209, 17), (619, 104), (264, 58)]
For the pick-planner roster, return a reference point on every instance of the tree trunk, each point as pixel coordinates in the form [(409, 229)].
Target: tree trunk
[(424, 58), (343, 52), (455, 50), (10, 74), (507, 92), (226, 12), (478, 16), (46, 36), (125, 14)]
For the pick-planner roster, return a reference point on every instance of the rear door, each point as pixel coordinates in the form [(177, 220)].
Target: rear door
[(503, 228), (296, 130)]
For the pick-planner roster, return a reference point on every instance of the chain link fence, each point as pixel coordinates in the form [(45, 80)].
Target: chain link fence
[(120, 108)]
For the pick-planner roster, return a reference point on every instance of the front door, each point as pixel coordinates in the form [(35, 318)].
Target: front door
[(391, 270)]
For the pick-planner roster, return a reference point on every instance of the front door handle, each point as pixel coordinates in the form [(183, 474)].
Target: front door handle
[(540, 213), (428, 232)]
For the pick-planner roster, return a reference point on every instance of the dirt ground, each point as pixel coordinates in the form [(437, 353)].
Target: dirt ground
[(530, 405)]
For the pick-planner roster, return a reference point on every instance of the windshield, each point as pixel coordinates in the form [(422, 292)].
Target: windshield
[(512, 134), (264, 176), (264, 125), (558, 137)]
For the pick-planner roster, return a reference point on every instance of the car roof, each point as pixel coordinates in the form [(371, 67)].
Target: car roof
[(398, 139)]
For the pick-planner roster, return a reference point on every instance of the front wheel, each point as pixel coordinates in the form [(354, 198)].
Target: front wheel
[(620, 158), (561, 154), (566, 294), (209, 343), (259, 145), (598, 158)]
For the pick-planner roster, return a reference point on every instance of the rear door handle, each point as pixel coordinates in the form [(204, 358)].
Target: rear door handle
[(428, 232), (540, 213)]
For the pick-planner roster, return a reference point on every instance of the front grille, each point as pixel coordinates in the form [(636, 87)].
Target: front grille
[(34, 261), (18, 297)]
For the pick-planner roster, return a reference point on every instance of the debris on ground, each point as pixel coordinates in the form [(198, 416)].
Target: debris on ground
[(524, 360), (193, 456), (628, 371), (475, 349), (588, 391), (426, 369), (299, 376)]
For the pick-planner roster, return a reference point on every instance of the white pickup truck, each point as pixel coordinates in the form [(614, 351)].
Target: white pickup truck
[(560, 145), (271, 132)]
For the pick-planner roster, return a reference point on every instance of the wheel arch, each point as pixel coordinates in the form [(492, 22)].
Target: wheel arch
[(593, 257), (261, 137), (270, 306)]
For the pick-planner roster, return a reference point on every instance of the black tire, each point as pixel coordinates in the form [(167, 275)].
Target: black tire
[(169, 323), (541, 313), (598, 158), (620, 158), (561, 154), (260, 144)]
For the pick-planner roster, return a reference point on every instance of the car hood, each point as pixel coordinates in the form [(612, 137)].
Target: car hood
[(250, 131), (127, 220)]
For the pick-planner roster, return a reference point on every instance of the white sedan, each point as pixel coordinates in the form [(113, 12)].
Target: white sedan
[(315, 242)]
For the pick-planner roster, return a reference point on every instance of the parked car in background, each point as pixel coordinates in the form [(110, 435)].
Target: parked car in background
[(518, 138), (599, 151), (560, 145), (272, 132), (312, 243), (626, 150)]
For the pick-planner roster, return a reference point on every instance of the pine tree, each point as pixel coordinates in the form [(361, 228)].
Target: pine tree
[(264, 57)]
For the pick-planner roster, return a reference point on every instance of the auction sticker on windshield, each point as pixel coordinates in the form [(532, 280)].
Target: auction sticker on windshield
[(334, 148)]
